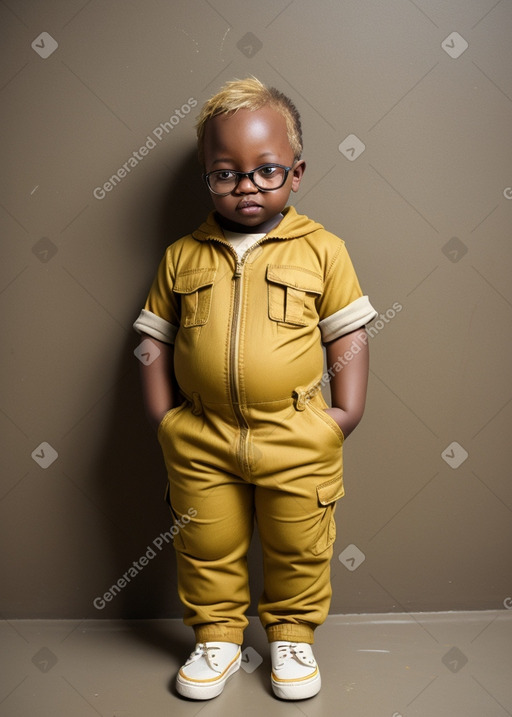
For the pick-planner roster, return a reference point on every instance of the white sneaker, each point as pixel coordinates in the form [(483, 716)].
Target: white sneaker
[(204, 674), (295, 674)]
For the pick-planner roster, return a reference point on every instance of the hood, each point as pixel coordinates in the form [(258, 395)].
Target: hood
[(292, 225)]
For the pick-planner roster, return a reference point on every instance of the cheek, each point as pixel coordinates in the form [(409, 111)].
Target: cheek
[(225, 206), (220, 202)]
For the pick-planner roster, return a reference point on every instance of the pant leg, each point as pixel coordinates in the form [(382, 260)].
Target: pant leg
[(295, 512), (297, 552), (212, 546)]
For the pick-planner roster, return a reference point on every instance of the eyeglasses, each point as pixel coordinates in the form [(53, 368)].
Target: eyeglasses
[(266, 178)]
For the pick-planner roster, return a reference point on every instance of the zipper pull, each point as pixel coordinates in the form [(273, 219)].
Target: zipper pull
[(238, 270)]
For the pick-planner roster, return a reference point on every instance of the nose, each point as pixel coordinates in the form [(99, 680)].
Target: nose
[(246, 186)]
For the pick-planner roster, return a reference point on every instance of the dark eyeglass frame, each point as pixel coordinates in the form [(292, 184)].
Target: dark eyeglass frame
[(240, 175)]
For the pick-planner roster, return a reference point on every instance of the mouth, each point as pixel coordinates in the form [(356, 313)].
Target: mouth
[(248, 207)]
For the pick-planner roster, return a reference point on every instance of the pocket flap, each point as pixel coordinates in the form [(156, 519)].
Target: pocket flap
[(190, 281), (296, 277), (330, 491)]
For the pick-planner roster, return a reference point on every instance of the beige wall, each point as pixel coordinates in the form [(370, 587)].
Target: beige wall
[(426, 213)]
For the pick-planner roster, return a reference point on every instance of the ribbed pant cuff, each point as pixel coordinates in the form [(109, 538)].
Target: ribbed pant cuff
[(221, 633), (290, 632)]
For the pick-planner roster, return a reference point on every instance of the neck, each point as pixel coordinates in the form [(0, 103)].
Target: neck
[(262, 228)]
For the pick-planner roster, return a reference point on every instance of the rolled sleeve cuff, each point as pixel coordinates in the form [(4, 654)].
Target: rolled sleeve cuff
[(155, 326), (348, 319)]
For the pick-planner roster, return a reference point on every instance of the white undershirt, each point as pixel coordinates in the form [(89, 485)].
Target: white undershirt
[(242, 242)]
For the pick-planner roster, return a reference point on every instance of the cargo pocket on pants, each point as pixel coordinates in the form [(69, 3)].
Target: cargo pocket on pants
[(327, 494)]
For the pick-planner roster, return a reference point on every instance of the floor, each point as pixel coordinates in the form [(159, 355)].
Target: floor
[(393, 665)]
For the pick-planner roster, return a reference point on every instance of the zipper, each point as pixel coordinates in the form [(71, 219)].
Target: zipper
[(234, 384), (234, 337)]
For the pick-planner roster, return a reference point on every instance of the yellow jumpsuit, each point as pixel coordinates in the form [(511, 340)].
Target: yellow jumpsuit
[(251, 440)]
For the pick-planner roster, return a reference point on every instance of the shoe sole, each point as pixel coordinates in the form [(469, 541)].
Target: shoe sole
[(199, 690), (301, 690)]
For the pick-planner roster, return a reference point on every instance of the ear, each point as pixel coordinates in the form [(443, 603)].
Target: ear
[(298, 172)]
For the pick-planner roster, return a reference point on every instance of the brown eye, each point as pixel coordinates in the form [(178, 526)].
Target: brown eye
[(268, 171), (224, 175)]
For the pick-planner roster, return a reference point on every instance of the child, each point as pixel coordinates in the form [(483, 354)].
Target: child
[(240, 309)]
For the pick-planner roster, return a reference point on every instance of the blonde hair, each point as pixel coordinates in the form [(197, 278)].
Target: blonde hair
[(250, 94)]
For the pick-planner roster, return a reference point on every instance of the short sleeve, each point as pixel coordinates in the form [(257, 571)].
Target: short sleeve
[(155, 326), (160, 315), (343, 307)]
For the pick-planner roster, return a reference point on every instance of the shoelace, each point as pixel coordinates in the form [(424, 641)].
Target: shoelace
[(208, 652), (289, 651)]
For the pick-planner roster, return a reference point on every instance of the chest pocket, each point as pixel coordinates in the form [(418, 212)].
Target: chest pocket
[(195, 288), (291, 294)]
